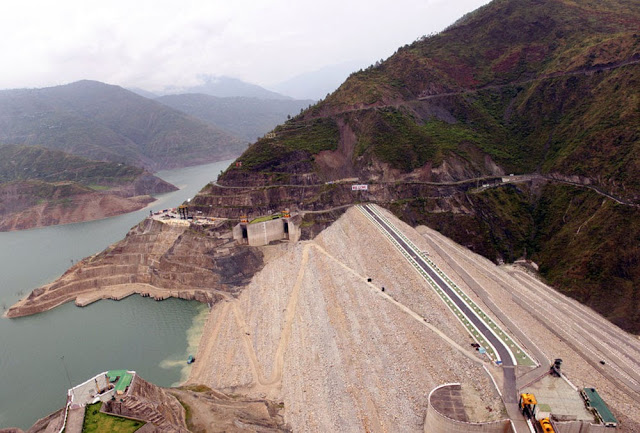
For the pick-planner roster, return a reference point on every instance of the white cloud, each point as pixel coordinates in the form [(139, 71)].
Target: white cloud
[(151, 44)]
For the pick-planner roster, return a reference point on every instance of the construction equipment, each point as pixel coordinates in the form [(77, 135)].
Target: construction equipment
[(545, 423), (183, 211), (555, 368), (528, 405)]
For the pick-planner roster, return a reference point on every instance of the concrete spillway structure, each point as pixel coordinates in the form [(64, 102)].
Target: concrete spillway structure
[(262, 233), (446, 414)]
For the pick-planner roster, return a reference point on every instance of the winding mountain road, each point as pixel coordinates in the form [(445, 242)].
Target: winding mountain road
[(502, 351)]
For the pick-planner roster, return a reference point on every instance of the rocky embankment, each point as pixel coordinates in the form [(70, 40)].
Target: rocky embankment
[(148, 402), (311, 331), (155, 259), (164, 410), (27, 204), (234, 201)]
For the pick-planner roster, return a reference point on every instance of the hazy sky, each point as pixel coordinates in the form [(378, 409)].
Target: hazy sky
[(156, 43)]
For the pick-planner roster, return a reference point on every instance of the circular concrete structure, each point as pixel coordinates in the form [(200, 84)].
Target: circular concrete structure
[(446, 414)]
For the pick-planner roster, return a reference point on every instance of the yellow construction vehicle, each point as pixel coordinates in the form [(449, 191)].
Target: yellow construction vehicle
[(545, 423), (528, 405), (183, 211)]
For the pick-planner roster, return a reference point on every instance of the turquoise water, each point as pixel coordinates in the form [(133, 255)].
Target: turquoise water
[(136, 333)]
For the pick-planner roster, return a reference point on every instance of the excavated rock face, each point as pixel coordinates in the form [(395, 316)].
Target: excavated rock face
[(232, 202), (155, 259)]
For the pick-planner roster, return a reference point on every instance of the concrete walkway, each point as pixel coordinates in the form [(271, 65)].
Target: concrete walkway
[(75, 420)]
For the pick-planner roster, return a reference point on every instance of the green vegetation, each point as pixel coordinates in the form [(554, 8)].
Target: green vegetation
[(396, 138), (568, 123), (550, 87), (97, 422), (188, 415), (196, 388), (107, 122), (32, 162), (572, 233), (313, 137), (265, 218), (292, 147), (589, 247)]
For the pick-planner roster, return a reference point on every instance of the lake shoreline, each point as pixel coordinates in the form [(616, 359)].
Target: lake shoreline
[(132, 333)]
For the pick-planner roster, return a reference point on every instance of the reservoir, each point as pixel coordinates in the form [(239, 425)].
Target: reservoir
[(153, 338)]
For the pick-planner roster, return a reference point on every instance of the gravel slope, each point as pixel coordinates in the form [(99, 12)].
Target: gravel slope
[(342, 355)]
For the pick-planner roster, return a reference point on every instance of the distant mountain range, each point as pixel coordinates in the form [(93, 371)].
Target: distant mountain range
[(225, 87), (246, 118), (317, 84), (106, 122)]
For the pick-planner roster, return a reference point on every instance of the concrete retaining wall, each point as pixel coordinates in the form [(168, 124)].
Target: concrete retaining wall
[(435, 422), (265, 232), (237, 233), (581, 427)]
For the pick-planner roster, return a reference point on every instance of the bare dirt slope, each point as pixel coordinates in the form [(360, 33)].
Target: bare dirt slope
[(76, 208), (342, 355), (210, 411)]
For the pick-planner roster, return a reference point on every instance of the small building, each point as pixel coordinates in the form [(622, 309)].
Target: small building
[(279, 227), (598, 406)]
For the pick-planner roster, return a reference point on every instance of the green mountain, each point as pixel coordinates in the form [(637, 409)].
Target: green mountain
[(105, 122), (41, 187), (243, 117), (34, 162), (543, 88)]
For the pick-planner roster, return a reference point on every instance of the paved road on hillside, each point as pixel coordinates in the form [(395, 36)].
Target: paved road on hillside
[(509, 387)]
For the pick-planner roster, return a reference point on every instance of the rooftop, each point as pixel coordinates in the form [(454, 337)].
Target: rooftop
[(564, 401), (597, 403)]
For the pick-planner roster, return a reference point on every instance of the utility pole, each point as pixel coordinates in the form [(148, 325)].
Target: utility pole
[(67, 371)]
